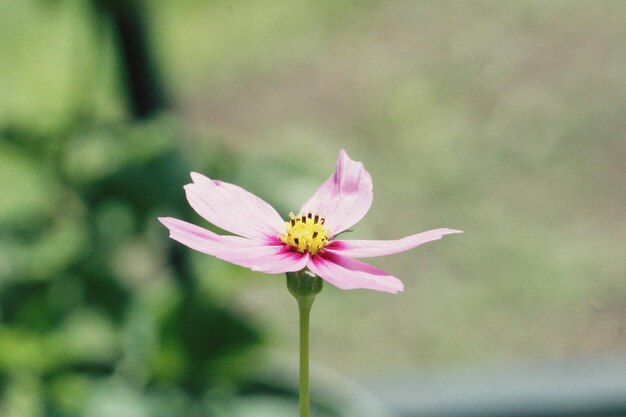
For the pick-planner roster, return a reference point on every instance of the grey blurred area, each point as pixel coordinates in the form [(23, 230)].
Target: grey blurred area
[(576, 387)]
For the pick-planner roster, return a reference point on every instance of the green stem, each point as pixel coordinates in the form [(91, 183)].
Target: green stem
[(304, 287), (304, 307)]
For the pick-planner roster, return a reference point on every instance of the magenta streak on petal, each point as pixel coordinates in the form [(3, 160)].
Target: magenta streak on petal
[(347, 274), (371, 248), (232, 208), (268, 259), (283, 262), (253, 254), (345, 197)]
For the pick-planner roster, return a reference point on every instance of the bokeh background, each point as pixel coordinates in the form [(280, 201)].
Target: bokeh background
[(504, 119)]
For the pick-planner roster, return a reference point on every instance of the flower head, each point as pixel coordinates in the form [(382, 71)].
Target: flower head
[(264, 242)]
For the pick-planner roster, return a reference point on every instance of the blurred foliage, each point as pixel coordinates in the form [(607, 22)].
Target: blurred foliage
[(100, 314)]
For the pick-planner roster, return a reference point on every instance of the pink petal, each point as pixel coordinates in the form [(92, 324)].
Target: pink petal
[(369, 248), (347, 274), (232, 208), (345, 197), (268, 257)]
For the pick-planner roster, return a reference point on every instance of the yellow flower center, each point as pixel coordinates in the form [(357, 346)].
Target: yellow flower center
[(306, 232)]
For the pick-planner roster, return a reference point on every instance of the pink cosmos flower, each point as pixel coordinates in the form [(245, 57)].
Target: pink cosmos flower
[(268, 244)]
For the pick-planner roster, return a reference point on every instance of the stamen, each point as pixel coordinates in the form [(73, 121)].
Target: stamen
[(306, 233)]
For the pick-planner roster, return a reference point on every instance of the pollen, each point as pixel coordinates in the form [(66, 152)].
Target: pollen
[(306, 233)]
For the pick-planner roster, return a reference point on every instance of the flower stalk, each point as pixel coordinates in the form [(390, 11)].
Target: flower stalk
[(304, 286)]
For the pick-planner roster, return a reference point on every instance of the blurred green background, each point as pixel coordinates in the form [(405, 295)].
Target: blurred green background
[(504, 119)]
